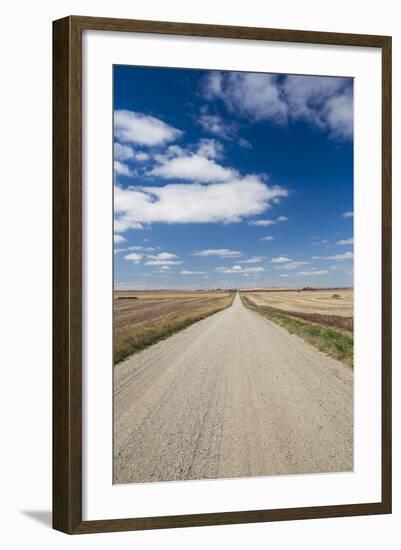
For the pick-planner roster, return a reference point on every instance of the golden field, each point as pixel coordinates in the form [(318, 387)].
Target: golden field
[(322, 317), (142, 318), (323, 302)]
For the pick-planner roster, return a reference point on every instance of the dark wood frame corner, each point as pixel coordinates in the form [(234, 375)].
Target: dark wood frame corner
[(67, 275)]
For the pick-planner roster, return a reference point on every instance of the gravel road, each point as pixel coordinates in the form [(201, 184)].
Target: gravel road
[(233, 395)]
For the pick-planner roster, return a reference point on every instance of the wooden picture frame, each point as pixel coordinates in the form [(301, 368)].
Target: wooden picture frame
[(67, 274)]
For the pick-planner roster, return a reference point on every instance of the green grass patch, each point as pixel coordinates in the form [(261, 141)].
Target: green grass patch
[(330, 341)]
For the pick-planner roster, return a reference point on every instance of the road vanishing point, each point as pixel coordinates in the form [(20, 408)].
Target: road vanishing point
[(233, 395)]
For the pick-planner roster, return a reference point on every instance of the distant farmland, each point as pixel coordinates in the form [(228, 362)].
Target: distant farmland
[(324, 318), (142, 318), (327, 303)]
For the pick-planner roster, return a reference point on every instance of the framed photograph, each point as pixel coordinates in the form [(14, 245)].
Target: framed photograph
[(222, 275)]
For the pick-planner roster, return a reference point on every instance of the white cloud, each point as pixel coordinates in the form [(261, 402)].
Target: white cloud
[(193, 167), (121, 169), (222, 252), (216, 125), (304, 93), (125, 152), (228, 197), (340, 257), (214, 85), (224, 129), (145, 249), (210, 148), (192, 272), (262, 223), (265, 223), (162, 259), (141, 156), (318, 242), (134, 257), (291, 265), (284, 275), (163, 262), (280, 260), (268, 238), (325, 102), (133, 127), (171, 152), (162, 256), (193, 203), (336, 257), (121, 224), (339, 114), (345, 242), (119, 239), (314, 272), (252, 95), (348, 214), (244, 143), (254, 260), (239, 269)]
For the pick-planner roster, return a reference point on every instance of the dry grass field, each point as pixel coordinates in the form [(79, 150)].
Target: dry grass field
[(323, 302), (324, 318), (142, 318)]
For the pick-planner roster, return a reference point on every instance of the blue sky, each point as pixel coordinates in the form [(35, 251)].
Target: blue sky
[(226, 179)]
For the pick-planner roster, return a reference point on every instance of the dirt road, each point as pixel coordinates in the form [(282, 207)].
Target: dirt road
[(231, 396)]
